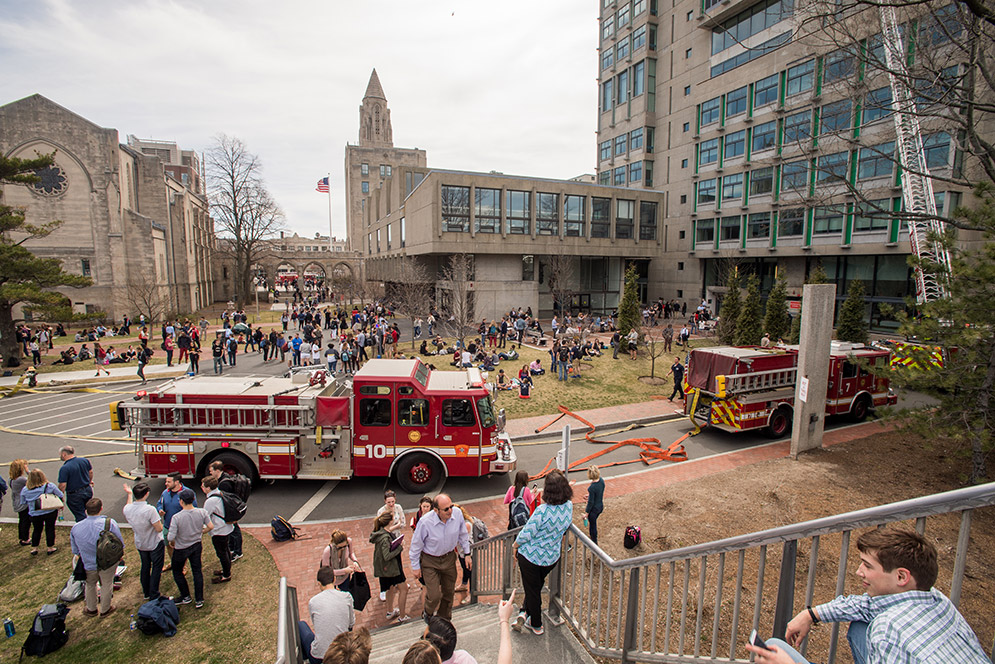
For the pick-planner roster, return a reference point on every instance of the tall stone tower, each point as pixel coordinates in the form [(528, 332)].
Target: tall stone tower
[(369, 165)]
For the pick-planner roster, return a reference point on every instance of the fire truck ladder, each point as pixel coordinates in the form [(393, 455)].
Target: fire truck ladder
[(756, 381), (917, 186), (231, 417)]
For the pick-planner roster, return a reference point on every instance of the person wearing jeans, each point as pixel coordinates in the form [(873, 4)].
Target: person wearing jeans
[(215, 508), (595, 501), (147, 525), (36, 485)]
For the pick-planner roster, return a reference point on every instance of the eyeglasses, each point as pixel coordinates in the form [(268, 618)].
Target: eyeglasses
[(446, 509)]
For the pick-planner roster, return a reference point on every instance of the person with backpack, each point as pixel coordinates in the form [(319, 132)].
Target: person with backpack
[(147, 525), (143, 355), (468, 521), (185, 532), (97, 540), (519, 500), (241, 486), (595, 501), (215, 508)]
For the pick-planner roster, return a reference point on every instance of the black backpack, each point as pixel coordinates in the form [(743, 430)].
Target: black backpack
[(234, 507), (282, 530), (240, 485), (110, 548), (633, 536), (48, 631)]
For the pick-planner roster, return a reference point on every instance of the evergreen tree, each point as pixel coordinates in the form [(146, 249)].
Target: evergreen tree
[(776, 320), (731, 307), (628, 311), (750, 322), (817, 275), (851, 325), (795, 335), (25, 278)]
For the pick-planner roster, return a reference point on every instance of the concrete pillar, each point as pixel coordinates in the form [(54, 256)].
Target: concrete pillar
[(813, 367)]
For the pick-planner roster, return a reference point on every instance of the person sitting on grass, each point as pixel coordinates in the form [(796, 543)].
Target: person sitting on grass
[(502, 381), (535, 368)]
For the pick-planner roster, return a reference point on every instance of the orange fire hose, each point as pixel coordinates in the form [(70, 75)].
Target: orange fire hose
[(651, 450)]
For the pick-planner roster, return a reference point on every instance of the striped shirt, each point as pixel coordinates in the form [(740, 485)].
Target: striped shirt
[(539, 541), (913, 627)]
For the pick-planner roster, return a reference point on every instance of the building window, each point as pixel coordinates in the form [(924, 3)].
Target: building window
[(797, 127), (827, 219), (937, 150), (732, 187), (650, 133), (622, 49), (624, 218), (687, 54), (876, 161), (689, 16), (605, 150), (647, 220), (487, 212), (758, 225), (618, 176), (877, 105), (680, 266), (736, 102), (765, 91), (518, 209), (761, 181), (638, 7), (735, 144), (547, 214), (607, 94), (621, 141), (791, 222), (729, 228), (750, 55), (706, 191), (710, 111), (366, 187), (607, 58), (636, 171), (607, 27), (764, 136), (600, 217), (623, 87), (684, 199), (455, 209), (638, 38), (687, 90), (873, 215), (835, 117), (680, 236), (705, 231), (84, 266), (636, 139), (638, 76), (573, 216), (832, 167), (648, 170), (364, 169), (687, 127), (528, 268), (605, 177), (684, 163), (794, 176), (623, 17), (838, 65), (800, 78), (708, 152), (747, 23)]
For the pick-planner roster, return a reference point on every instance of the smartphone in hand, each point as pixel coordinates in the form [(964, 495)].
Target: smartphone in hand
[(756, 641)]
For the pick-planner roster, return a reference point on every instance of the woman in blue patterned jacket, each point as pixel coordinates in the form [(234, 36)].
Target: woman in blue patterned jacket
[(538, 546)]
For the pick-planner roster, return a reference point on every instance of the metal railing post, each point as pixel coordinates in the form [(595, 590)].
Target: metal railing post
[(785, 589), (506, 564), (631, 614)]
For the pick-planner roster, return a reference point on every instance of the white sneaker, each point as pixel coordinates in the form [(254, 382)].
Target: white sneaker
[(383, 597), (519, 622)]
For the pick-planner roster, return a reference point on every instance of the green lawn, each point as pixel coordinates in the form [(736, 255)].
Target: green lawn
[(237, 623)]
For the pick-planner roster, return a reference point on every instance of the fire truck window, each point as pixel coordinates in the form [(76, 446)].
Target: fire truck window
[(421, 374), (458, 413), (374, 412), (849, 370), (374, 389), (405, 389), (412, 412), (486, 412)]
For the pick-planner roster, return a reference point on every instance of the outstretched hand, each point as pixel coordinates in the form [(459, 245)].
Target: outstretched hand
[(506, 608)]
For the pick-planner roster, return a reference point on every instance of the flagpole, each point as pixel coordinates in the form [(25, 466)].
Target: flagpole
[(329, 211)]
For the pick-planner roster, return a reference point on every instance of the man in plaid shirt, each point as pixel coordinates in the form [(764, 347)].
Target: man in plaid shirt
[(901, 619)]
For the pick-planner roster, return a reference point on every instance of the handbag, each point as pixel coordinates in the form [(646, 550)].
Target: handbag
[(359, 588), (50, 501)]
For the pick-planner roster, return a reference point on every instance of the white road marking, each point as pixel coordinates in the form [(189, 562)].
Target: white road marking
[(58, 401), (64, 422), (313, 502), (87, 426)]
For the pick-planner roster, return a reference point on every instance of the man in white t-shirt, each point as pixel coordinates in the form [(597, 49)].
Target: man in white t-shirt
[(147, 526)]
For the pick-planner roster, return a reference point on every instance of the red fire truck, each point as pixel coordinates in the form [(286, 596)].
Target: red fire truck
[(393, 418), (752, 388)]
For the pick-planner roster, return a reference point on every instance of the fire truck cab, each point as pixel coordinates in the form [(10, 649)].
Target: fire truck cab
[(393, 418), (749, 387)]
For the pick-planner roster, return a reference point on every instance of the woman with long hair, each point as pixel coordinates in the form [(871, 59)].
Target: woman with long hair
[(519, 488), (339, 556), (537, 547), (387, 567), (595, 501), (18, 479), (464, 585), (37, 485)]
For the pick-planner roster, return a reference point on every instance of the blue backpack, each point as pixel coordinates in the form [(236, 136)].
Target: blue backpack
[(281, 530)]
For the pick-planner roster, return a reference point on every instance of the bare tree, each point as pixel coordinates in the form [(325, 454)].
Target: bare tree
[(655, 347), (146, 296), (410, 290), (456, 290), (246, 215), (561, 281)]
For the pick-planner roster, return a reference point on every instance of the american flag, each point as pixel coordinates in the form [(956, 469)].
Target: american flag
[(322, 185)]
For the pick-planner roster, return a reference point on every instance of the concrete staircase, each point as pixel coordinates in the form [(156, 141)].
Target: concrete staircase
[(478, 633)]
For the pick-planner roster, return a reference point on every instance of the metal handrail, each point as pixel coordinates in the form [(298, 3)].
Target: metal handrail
[(616, 607), (288, 638)]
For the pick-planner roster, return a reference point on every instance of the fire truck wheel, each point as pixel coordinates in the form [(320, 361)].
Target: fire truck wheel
[(780, 423), (419, 473), (860, 409), (235, 464)]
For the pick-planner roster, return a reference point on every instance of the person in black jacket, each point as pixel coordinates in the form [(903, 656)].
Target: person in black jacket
[(238, 485), (595, 501)]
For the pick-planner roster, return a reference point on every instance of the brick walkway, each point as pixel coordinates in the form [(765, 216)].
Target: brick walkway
[(298, 560)]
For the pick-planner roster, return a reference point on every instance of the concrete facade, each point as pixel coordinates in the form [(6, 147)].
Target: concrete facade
[(126, 222)]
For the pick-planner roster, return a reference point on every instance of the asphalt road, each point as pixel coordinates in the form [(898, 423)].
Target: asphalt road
[(36, 425)]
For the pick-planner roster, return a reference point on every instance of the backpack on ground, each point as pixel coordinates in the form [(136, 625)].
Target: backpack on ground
[(518, 511), (110, 548), (479, 530), (233, 507), (633, 536), (158, 616), (48, 631), (281, 530)]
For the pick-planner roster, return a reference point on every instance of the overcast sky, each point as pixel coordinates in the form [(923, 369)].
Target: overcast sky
[(507, 86)]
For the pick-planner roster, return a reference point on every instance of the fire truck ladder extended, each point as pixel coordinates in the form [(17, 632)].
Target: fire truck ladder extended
[(917, 186)]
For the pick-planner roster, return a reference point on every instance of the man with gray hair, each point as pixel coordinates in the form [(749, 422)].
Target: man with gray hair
[(76, 481)]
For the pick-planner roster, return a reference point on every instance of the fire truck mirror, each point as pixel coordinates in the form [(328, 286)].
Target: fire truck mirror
[(118, 417)]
